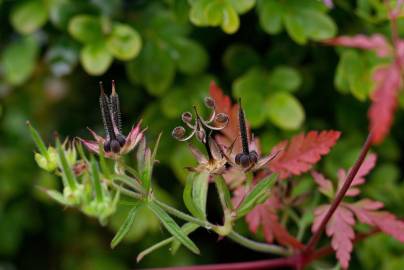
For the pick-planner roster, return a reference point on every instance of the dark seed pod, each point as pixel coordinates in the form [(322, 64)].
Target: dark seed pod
[(115, 108), (107, 146), (115, 146), (186, 117), (178, 133), (253, 156), (222, 118), (121, 139), (209, 102)]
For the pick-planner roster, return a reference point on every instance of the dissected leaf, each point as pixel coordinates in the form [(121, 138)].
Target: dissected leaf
[(172, 227), (264, 215), (375, 43), (339, 228), (126, 225), (384, 100), (302, 152), (256, 195)]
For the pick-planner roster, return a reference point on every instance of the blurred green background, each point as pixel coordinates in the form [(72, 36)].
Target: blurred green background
[(163, 57)]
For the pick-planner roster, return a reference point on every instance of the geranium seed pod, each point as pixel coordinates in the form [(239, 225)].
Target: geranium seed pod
[(221, 118), (115, 146), (186, 117), (209, 102), (253, 157), (201, 135), (178, 132), (121, 139)]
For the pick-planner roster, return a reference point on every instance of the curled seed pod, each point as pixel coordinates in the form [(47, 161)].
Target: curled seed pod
[(178, 133), (222, 118), (186, 117), (209, 102), (201, 135)]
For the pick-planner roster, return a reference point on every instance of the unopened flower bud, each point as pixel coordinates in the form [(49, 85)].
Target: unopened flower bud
[(178, 132), (48, 164), (209, 102), (186, 117)]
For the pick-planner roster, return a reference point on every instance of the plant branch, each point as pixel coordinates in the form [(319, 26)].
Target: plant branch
[(341, 194), (280, 263), (258, 246)]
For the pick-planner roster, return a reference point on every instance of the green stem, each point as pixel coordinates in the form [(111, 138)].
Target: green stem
[(262, 247), (128, 192), (96, 180), (184, 216), (257, 246)]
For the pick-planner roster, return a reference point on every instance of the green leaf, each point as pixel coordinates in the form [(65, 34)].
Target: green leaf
[(285, 111), (95, 58), (257, 195), (187, 228), (242, 6), (224, 192), (19, 59), (318, 26), (154, 68), (295, 27), (284, 78), (38, 141), (86, 28), (270, 15), (126, 225), (252, 88), (230, 20), (29, 16), (239, 58), (172, 227), (195, 194), (124, 42), (190, 57), (354, 74)]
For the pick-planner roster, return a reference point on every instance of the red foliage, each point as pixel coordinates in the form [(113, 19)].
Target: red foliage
[(381, 112), (340, 226), (265, 216), (375, 43), (302, 152)]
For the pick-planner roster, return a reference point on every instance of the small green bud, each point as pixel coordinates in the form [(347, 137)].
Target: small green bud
[(73, 197), (48, 164)]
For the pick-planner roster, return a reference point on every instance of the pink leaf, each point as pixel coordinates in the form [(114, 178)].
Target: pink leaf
[(302, 152), (265, 216), (384, 100), (359, 179), (366, 212), (339, 228), (375, 43), (325, 185)]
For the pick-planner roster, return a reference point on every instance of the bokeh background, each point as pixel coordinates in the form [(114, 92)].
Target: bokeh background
[(162, 57)]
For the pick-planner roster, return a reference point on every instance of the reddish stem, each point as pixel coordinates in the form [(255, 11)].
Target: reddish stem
[(279, 263), (341, 194)]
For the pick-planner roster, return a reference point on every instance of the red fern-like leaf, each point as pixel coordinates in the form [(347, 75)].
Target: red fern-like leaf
[(339, 228), (302, 152), (375, 43), (384, 101), (265, 216)]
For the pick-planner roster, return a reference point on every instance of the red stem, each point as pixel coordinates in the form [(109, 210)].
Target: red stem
[(279, 263), (341, 194)]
